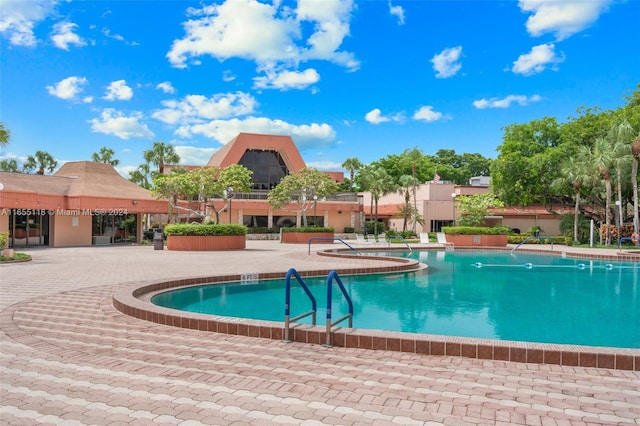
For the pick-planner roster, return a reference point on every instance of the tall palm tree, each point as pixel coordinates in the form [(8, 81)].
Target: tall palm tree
[(5, 135), (406, 183), (160, 155), (600, 158), (105, 155), (620, 136), (635, 152), (353, 165), (381, 184), (574, 173), (42, 161)]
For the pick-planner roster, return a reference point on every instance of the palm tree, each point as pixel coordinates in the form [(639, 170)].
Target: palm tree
[(5, 135), (141, 176), (42, 161), (574, 173), (601, 160), (635, 152), (621, 137), (9, 165), (353, 165), (406, 183), (105, 155), (381, 184), (160, 155)]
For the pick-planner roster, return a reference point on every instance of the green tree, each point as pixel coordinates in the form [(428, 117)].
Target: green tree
[(42, 162), (142, 176), (405, 184), (473, 208), (574, 174), (160, 155), (620, 137), (300, 190), (528, 162), (9, 165), (5, 135), (105, 155), (380, 183), (352, 164), (601, 160)]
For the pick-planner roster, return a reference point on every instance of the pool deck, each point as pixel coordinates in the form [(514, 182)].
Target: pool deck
[(67, 356)]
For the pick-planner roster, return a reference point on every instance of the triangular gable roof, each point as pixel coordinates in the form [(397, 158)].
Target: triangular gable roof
[(232, 152), (36, 184)]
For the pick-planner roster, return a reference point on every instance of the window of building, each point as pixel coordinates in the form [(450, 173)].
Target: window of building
[(268, 168)]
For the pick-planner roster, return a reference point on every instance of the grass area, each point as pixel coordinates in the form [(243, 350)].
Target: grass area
[(15, 258)]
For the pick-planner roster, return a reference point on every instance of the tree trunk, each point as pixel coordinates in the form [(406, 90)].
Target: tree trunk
[(576, 213), (607, 210), (634, 182)]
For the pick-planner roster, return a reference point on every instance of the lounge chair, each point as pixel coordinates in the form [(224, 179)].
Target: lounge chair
[(371, 239), (360, 239), (424, 238), (442, 239), (382, 240)]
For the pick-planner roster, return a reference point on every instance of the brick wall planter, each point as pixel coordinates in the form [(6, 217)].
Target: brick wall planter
[(477, 240), (206, 243), (303, 237)]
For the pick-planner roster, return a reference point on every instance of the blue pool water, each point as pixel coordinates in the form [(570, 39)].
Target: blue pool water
[(497, 295)]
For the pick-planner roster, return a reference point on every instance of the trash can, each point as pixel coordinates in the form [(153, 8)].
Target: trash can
[(158, 240)]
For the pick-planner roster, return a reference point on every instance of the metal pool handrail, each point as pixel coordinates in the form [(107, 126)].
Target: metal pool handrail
[(287, 302), (333, 275), (399, 237), (533, 238), (329, 239)]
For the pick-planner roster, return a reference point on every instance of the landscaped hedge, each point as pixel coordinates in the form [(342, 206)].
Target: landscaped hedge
[(475, 230), (307, 229), (557, 239), (184, 229)]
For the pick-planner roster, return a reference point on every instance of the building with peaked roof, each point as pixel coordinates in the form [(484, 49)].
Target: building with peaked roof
[(84, 203), (87, 203)]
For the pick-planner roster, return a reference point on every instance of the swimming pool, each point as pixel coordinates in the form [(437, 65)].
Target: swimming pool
[(495, 295)]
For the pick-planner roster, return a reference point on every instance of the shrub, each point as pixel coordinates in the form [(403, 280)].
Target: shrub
[(307, 229), (182, 229), (371, 226), (349, 230), (4, 240), (475, 230)]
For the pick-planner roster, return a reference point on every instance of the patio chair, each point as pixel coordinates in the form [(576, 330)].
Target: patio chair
[(424, 238), (371, 239), (360, 239), (382, 240), (442, 239)]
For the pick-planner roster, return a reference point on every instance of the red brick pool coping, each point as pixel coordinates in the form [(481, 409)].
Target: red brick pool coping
[(134, 301)]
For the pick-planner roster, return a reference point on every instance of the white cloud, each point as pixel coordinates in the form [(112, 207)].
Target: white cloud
[(228, 76), (375, 117), (563, 18), (69, 88), (166, 87), (63, 36), (397, 11), (506, 102), (266, 34), (305, 135), (537, 60), (194, 156), (112, 122), (285, 80), (19, 18), (426, 113), (197, 108), (445, 63), (118, 90), (107, 33)]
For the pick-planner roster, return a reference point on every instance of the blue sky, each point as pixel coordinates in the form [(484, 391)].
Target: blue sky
[(344, 78)]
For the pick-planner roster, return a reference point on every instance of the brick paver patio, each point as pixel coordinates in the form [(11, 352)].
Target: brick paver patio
[(68, 357)]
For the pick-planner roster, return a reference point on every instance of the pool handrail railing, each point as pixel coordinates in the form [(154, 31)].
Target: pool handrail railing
[(333, 275), (399, 237), (533, 237), (330, 239), (287, 303)]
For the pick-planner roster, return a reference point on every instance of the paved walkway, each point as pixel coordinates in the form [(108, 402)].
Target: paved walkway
[(67, 357)]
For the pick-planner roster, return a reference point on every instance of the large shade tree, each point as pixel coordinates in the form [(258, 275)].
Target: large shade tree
[(299, 191)]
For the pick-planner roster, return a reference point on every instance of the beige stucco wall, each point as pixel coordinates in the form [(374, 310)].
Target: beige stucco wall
[(70, 230), (4, 220)]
